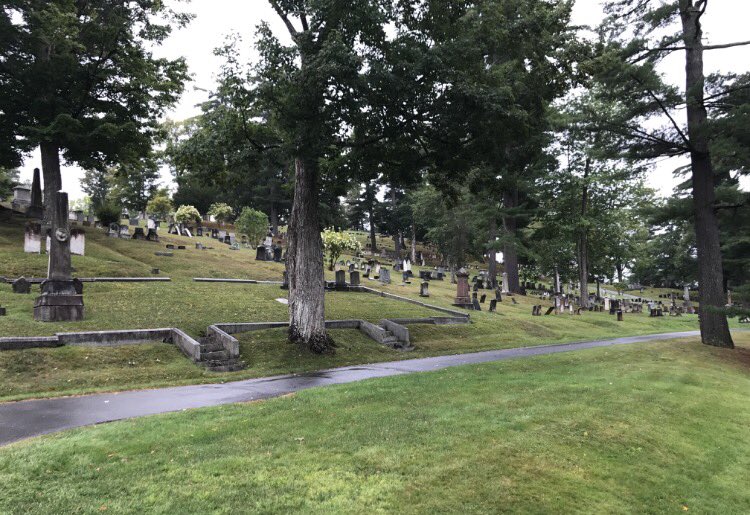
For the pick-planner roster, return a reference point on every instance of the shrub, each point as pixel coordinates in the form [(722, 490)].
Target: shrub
[(253, 224), (221, 212), (108, 213), (160, 206), (336, 243), (187, 214)]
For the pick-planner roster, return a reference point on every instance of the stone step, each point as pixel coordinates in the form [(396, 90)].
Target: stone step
[(218, 355), (227, 368), (390, 340), (211, 347)]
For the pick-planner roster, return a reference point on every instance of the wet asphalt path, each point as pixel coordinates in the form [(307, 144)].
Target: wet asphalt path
[(25, 419)]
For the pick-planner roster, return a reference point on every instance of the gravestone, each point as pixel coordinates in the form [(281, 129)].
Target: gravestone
[(114, 230), (138, 234), (619, 315), (36, 207), (155, 271), (152, 235), (134, 222), (32, 240), (21, 285), (483, 298), (354, 278), (424, 289), (277, 252), (493, 305), (385, 276), (2, 311), (405, 278), (550, 310), (475, 303), (462, 290), (60, 300), (340, 279), (78, 242), (260, 253), (199, 232), (505, 283), (124, 232)]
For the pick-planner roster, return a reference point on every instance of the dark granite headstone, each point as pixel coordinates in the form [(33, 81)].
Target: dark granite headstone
[(21, 285), (424, 289), (138, 234), (354, 278), (493, 305), (340, 279)]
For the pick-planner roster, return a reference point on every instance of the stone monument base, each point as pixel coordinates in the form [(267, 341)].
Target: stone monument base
[(58, 308), (61, 301)]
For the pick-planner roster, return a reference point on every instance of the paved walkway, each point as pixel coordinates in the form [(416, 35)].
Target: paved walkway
[(24, 419)]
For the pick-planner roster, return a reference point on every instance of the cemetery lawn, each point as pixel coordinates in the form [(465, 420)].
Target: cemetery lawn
[(647, 428), (193, 306)]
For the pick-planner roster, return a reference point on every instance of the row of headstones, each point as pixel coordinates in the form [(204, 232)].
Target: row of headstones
[(121, 231), (32, 241)]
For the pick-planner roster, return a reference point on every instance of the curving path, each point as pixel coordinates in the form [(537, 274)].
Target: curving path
[(25, 419)]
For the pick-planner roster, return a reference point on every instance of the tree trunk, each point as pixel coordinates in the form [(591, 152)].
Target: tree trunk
[(619, 269), (413, 243), (713, 322), (583, 237), (397, 244), (274, 219), (305, 264), (510, 254), (492, 253), (52, 179)]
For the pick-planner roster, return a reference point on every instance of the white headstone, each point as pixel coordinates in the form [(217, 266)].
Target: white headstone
[(78, 244), (505, 282), (32, 243), (151, 224), (606, 304)]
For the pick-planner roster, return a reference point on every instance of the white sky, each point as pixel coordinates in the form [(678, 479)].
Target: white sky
[(725, 21)]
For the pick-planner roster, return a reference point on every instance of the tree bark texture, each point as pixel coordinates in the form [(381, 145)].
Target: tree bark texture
[(413, 243), (713, 322), (582, 246), (510, 253), (492, 253), (305, 264)]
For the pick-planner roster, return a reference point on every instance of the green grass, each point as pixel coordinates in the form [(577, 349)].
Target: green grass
[(647, 428), (194, 306)]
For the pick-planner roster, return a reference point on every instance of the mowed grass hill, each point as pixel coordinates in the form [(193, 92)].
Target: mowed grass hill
[(193, 306)]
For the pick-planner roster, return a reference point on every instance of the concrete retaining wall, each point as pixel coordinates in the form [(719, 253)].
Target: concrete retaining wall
[(398, 330), (33, 342), (228, 342), (188, 346), (113, 338), (375, 332)]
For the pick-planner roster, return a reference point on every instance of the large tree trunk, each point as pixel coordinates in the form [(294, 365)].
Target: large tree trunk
[(52, 178), (413, 243), (713, 322), (492, 253), (373, 239), (583, 241), (305, 264), (274, 216), (510, 254)]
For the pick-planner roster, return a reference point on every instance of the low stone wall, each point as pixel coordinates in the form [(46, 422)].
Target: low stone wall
[(228, 342), (114, 338), (375, 332), (40, 280), (459, 314), (188, 346), (32, 342), (399, 331), (232, 281)]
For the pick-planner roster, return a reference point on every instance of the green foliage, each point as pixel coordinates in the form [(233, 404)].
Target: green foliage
[(253, 224), (159, 206), (82, 204), (133, 183), (84, 78), (336, 243), (8, 180), (187, 215), (108, 213), (221, 212)]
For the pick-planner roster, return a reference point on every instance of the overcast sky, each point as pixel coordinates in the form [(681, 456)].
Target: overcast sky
[(725, 21)]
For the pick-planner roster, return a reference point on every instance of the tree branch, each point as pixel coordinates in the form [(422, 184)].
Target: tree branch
[(284, 17)]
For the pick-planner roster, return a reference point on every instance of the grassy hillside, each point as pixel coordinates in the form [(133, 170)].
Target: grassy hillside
[(194, 306), (649, 428)]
